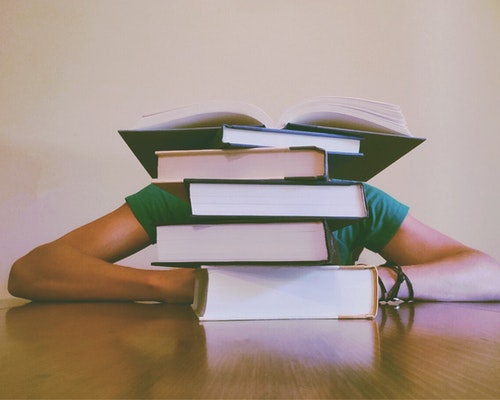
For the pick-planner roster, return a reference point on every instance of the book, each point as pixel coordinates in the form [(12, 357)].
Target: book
[(344, 112), (333, 199), (198, 126), (264, 242), (250, 136), (285, 292), (257, 163), (145, 143), (379, 149)]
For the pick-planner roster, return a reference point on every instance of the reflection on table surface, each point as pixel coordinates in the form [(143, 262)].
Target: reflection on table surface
[(136, 350)]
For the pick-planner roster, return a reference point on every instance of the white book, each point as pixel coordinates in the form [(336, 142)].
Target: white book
[(337, 111), (245, 242), (245, 135), (285, 292), (277, 198)]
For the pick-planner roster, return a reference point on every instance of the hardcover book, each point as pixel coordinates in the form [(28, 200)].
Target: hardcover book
[(265, 242), (342, 200), (285, 292)]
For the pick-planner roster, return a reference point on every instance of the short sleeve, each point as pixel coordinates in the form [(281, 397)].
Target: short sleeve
[(153, 206), (385, 216)]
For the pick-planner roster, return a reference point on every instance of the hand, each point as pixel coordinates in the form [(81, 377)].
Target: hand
[(176, 285)]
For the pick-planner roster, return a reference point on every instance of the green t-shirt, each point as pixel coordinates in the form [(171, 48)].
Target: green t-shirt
[(153, 206)]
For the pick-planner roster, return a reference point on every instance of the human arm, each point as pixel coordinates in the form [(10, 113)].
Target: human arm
[(80, 266), (439, 267)]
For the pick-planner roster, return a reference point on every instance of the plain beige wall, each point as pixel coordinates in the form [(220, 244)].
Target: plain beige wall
[(72, 72)]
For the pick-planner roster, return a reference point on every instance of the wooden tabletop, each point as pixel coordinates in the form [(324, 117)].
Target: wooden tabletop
[(136, 350)]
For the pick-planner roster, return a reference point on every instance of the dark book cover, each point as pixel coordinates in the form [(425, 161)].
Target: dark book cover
[(145, 143), (379, 150)]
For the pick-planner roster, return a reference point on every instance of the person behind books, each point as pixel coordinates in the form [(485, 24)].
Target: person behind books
[(83, 264)]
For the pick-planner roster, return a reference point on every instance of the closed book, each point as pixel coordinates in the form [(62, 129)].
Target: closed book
[(379, 149), (244, 135), (285, 292), (256, 163), (277, 198), (265, 242)]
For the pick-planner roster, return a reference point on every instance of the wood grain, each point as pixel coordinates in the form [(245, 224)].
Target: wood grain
[(135, 350)]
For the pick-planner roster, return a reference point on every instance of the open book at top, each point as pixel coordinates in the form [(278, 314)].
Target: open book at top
[(327, 111)]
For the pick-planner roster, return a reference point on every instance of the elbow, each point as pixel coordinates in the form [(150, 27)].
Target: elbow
[(479, 258), (23, 275), (15, 283), (19, 278)]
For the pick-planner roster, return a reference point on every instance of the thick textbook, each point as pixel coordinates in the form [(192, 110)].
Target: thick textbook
[(218, 198), (256, 163), (264, 242), (285, 292)]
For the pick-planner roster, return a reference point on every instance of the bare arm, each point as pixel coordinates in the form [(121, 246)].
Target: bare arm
[(79, 266), (440, 268)]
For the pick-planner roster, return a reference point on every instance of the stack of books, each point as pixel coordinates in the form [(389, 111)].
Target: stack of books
[(265, 199)]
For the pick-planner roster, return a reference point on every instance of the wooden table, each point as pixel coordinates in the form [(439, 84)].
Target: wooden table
[(135, 350)]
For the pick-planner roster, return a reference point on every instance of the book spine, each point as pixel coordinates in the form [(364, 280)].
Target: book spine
[(200, 291), (331, 243)]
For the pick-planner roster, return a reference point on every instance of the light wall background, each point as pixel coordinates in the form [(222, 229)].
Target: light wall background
[(73, 72)]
